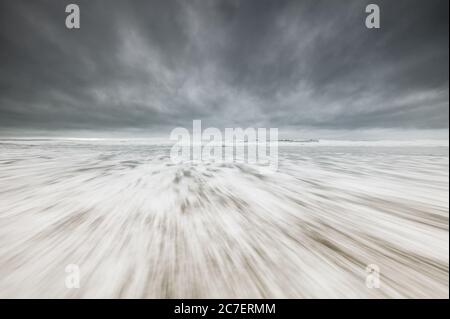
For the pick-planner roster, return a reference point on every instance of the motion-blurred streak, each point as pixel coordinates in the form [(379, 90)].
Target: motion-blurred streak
[(139, 226)]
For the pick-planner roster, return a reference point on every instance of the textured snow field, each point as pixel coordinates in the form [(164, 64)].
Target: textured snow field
[(139, 226)]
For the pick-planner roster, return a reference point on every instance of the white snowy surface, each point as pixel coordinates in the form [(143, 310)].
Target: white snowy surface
[(139, 226)]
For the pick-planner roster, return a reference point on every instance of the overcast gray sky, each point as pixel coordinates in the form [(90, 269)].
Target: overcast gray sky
[(149, 66)]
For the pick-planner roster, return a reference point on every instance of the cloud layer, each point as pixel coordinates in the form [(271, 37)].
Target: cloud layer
[(154, 65)]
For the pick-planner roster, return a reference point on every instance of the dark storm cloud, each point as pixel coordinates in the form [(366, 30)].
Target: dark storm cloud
[(159, 64)]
